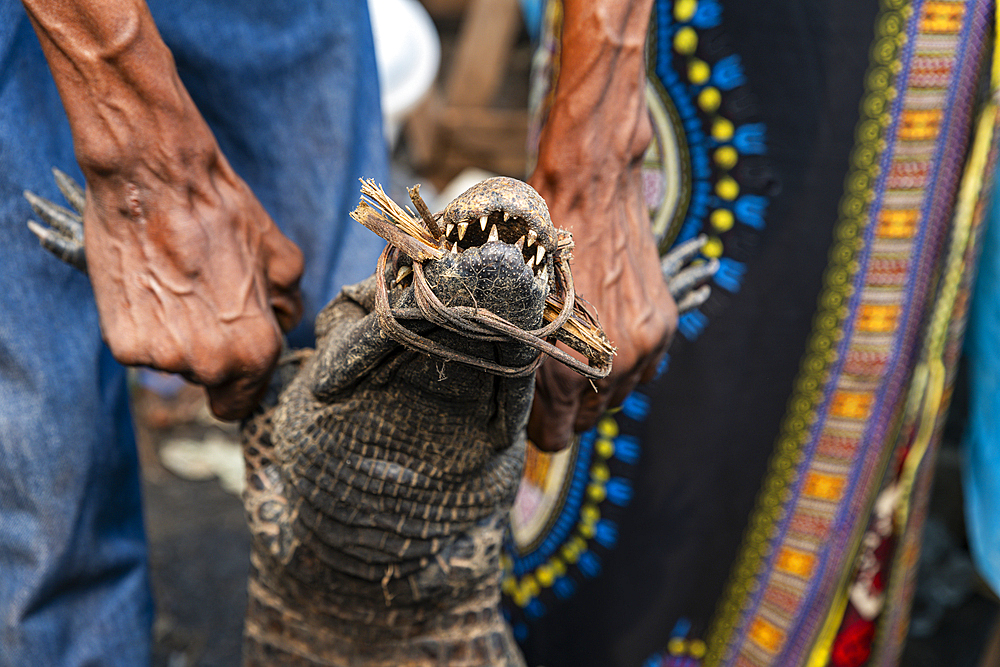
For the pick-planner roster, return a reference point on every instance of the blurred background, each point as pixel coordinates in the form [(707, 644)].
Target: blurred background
[(455, 84)]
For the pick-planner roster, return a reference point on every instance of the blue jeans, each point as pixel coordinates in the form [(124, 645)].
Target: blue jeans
[(290, 91)]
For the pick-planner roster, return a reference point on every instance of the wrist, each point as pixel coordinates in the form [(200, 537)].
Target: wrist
[(598, 127)]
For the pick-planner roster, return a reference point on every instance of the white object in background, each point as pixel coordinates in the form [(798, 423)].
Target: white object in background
[(216, 456), (465, 180), (408, 53)]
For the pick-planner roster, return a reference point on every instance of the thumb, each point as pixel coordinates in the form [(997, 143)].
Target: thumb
[(236, 399)]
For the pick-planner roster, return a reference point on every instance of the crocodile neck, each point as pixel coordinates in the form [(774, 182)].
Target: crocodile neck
[(386, 540)]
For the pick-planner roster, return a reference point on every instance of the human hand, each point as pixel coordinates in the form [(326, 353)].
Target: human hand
[(190, 274), (618, 272)]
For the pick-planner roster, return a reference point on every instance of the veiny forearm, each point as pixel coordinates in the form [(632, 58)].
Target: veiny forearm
[(592, 145), (600, 95), (589, 172), (117, 81)]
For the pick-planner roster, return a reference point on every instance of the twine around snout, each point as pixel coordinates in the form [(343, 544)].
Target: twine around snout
[(476, 323)]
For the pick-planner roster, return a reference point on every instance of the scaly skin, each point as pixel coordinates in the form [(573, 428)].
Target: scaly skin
[(379, 484)]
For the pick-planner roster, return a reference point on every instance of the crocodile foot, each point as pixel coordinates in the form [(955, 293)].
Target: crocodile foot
[(64, 235)]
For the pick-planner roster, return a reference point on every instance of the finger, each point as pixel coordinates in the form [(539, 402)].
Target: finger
[(548, 431), (287, 307), (283, 270), (676, 258), (593, 404), (556, 404), (284, 260)]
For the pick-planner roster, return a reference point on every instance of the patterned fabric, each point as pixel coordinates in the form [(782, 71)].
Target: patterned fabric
[(768, 506)]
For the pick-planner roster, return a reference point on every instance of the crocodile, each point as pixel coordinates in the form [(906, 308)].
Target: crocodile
[(381, 465)]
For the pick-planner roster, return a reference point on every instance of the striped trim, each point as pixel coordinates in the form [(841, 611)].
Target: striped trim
[(839, 432)]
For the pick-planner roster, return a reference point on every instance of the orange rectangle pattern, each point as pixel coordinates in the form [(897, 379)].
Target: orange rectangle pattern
[(824, 487), (794, 561), (942, 17), (851, 404), (766, 635), (920, 124), (897, 223), (878, 318)]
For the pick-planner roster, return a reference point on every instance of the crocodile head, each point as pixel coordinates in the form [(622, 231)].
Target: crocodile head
[(494, 261)]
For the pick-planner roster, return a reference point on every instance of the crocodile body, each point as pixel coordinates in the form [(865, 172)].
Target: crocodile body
[(379, 482)]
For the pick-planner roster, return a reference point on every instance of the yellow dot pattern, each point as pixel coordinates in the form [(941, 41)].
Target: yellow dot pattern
[(709, 99), (686, 41), (523, 590), (722, 129), (679, 647), (725, 157), (722, 220), (684, 10), (698, 71), (727, 188), (713, 248)]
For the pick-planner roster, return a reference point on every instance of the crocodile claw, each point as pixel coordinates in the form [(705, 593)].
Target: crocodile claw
[(687, 285), (70, 189), (64, 235)]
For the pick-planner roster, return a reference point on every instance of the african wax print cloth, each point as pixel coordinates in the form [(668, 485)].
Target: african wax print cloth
[(761, 502)]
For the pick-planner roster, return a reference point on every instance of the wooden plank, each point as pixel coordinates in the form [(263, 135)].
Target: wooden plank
[(489, 29)]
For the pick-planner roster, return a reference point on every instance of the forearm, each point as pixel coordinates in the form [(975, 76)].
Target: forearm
[(598, 115), (591, 148), (118, 82), (589, 172)]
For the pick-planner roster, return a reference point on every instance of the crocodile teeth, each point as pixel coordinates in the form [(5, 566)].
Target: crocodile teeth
[(451, 228), (403, 272), (531, 263), (494, 234), (540, 254), (543, 275), (454, 249), (483, 221), (506, 216), (520, 244), (462, 226), (532, 237)]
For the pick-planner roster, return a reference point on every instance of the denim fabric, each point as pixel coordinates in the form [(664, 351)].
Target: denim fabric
[(290, 90)]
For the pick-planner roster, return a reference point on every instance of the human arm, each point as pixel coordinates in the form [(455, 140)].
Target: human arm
[(190, 274), (589, 161)]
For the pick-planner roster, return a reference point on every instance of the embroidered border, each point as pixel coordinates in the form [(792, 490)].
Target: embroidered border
[(845, 405)]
